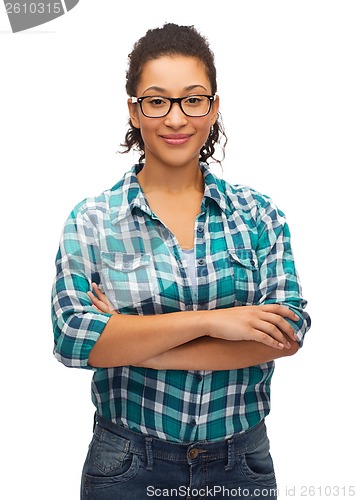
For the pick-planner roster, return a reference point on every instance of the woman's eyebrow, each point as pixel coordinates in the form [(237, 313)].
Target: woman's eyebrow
[(191, 87), (154, 87), (186, 89)]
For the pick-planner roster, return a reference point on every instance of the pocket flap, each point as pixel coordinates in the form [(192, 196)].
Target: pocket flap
[(246, 257), (125, 262)]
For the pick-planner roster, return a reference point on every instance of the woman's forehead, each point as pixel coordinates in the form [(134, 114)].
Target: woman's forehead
[(174, 73)]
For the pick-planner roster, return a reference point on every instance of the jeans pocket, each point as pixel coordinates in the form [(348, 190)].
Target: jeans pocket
[(257, 464), (109, 460)]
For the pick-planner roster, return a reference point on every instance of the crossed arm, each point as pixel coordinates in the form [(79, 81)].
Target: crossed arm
[(208, 353), (221, 339)]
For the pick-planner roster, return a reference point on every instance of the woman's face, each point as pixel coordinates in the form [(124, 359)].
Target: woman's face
[(175, 139)]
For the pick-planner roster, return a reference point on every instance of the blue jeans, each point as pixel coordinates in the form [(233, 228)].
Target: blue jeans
[(125, 465)]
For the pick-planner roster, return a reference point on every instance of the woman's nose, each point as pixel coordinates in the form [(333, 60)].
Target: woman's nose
[(176, 117)]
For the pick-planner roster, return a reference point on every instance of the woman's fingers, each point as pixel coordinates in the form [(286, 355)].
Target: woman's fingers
[(282, 311), (280, 323), (273, 332), (97, 303), (266, 339), (274, 316), (100, 301), (99, 293), (277, 315)]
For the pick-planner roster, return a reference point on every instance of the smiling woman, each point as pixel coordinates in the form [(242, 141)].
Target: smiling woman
[(163, 123), (187, 42), (179, 291)]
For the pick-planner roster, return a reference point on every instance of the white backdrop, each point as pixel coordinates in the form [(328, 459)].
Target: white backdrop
[(287, 79)]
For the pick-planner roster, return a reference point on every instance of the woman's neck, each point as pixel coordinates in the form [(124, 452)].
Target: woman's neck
[(174, 180)]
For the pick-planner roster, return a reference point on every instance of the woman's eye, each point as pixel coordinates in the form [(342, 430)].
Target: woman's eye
[(193, 100), (157, 102)]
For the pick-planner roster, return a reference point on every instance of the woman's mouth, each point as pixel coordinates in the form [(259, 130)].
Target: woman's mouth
[(176, 139)]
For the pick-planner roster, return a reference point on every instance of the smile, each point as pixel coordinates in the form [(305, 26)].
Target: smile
[(176, 139)]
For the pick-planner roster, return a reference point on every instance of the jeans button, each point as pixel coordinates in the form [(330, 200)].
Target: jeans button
[(193, 453)]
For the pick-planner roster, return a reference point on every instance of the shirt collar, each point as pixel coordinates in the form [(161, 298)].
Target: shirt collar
[(127, 193)]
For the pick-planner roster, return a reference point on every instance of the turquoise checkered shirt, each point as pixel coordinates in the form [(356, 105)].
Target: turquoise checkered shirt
[(243, 257)]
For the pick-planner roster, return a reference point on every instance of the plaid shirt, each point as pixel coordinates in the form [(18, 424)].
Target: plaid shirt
[(243, 257)]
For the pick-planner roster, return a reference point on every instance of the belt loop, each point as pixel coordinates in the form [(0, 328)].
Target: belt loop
[(230, 453), (149, 458)]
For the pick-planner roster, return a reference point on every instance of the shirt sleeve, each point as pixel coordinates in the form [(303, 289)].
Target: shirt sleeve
[(279, 280), (77, 325)]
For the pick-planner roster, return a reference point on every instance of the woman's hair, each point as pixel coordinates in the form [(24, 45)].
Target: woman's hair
[(171, 40)]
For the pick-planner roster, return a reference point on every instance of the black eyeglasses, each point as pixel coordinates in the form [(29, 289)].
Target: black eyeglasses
[(153, 106)]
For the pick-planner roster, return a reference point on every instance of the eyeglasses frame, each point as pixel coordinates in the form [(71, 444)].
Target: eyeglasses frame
[(173, 100)]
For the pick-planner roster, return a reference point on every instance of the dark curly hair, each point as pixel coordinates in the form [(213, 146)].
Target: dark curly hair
[(171, 40)]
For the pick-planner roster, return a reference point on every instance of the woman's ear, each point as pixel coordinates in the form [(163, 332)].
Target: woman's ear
[(214, 110), (133, 112)]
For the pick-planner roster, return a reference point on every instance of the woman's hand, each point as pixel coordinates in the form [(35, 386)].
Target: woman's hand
[(265, 324), (100, 301)]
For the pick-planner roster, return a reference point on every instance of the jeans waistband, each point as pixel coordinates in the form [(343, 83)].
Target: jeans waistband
[(194, 451)]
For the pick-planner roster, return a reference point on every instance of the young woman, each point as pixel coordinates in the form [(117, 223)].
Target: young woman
[(179, 291)]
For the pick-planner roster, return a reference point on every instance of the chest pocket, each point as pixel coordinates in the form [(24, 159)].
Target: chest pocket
[(129, 279), (244, 262)]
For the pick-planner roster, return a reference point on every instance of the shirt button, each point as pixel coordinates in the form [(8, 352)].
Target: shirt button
[(198, 378), (200, 228), (201, 262), (252, 262), (193, 422), (126, 265)]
